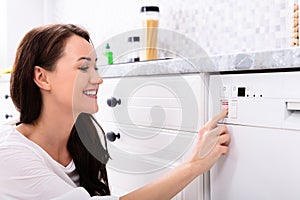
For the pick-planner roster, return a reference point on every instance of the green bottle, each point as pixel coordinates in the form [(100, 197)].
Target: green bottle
[(109, 55)]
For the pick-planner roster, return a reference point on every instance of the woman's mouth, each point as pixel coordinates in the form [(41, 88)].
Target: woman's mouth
[(90, 93)]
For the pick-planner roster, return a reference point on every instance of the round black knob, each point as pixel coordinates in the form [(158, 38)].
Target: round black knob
[(111, 136), (7, 116), (6, 96), (112, 102)]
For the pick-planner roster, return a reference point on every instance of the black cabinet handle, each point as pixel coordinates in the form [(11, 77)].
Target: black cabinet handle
[(7, 116), (112, 102), (111, 136)]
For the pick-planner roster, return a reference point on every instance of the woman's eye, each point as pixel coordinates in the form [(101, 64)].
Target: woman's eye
[(96, 68), (83, 68)]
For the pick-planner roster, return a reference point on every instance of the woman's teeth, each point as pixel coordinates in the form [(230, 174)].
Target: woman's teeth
[(90, 92)]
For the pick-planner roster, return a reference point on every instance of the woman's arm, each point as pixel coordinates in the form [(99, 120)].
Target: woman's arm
[(212, 142)]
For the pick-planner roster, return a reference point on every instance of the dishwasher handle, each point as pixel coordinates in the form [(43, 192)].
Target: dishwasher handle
[(293, 105)]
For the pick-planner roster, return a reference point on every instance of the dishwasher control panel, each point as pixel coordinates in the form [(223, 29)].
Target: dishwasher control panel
[(258, 99)]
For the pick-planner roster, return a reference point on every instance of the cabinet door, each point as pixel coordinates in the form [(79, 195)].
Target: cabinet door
[(146, 156), (167, 102), (157, 118)]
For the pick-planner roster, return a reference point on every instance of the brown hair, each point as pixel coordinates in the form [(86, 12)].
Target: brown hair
[(43, 46)]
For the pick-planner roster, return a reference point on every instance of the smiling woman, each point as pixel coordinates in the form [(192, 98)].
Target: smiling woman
[(54, 80), (58, 150)]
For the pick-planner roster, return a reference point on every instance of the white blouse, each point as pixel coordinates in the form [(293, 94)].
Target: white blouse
[(29, 172)]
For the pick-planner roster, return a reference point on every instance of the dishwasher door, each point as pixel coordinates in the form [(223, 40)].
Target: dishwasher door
[(264, 123)]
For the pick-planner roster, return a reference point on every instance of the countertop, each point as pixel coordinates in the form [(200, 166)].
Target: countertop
[(264, 60)]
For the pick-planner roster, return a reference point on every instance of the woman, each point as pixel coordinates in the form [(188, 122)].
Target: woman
[(54, 83)]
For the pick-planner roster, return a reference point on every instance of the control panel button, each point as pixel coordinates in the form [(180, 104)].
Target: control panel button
[(232, 109)]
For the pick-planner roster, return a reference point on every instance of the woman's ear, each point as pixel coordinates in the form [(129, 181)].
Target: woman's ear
[(40, 78)]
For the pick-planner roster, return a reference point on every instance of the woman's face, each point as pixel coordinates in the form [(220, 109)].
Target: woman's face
[(75, 80)]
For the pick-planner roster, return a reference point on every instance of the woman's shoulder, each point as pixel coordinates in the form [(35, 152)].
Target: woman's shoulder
[(13, 141), (20, 155)]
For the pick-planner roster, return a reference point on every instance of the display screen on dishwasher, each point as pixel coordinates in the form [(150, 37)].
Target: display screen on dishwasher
[(241, 92)]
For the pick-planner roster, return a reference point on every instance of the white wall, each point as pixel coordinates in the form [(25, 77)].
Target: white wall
[(219, 27), (3, 34), (102, 18), (17, 17)]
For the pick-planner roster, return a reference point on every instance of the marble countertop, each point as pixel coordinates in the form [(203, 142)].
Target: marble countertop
[(272, 59)]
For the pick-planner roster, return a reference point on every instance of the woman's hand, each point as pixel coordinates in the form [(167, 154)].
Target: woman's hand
[(212, 142)]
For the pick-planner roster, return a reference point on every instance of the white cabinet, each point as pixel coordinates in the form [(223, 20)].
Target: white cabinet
[(8, 113), (155, 119)]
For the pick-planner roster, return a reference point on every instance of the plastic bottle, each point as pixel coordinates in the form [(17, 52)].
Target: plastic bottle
[(109, 55)]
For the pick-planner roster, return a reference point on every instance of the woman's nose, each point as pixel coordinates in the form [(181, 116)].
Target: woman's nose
[(96, 79)]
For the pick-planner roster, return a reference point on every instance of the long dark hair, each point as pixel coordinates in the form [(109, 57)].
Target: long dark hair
[(43, 46)]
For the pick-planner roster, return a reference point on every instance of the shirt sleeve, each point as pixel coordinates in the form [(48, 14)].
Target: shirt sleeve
[(24, 175)]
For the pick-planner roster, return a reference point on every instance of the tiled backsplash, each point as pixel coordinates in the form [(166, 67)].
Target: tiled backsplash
[(224, 26)]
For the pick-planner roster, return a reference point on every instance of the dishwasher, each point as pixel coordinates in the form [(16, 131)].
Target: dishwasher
[(263, 121)]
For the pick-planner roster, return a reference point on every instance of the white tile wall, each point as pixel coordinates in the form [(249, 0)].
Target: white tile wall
[(220, 26)]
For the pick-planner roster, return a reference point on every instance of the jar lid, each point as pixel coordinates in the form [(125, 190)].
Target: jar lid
[(150, 8)]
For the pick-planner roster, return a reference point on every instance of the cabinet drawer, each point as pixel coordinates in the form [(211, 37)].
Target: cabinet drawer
[(168, 102), (133, 181), (143, 149)]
